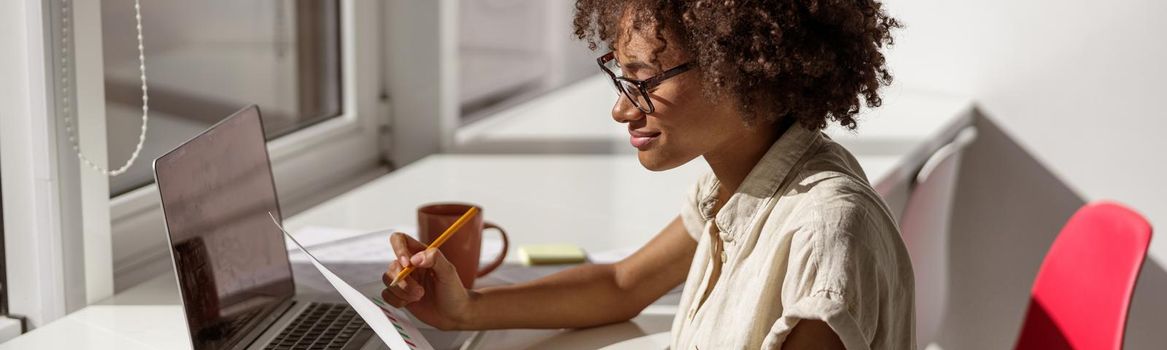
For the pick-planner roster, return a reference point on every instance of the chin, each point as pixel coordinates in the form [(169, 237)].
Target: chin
[(655, 159)]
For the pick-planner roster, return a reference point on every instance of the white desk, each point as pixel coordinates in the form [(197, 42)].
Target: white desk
[(597, 201)]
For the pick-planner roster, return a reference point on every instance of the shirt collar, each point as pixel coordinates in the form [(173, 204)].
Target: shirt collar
[(762, 183)]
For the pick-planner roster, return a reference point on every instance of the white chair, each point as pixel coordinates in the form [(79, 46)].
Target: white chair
[(924, 226)]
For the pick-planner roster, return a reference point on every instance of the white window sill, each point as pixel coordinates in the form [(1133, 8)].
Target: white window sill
[(9, 328)]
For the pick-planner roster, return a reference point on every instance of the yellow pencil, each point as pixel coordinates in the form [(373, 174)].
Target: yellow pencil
[(438, 242)]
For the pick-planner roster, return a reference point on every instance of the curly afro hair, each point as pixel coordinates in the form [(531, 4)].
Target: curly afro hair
[(782, 60)]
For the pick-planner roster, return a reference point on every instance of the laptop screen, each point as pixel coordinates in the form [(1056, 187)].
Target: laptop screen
[(231, 261)]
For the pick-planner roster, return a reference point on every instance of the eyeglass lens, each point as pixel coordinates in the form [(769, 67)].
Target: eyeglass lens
[(629, 89)]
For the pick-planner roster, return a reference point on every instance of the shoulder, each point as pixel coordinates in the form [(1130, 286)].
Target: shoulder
[(829, 198)]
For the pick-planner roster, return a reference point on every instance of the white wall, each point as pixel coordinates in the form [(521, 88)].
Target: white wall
[(1080, 84)]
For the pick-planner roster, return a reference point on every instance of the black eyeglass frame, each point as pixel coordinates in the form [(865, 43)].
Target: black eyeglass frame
[(642, 86)]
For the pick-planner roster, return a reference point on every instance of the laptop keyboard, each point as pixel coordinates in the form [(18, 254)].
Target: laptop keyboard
[(320, 327)]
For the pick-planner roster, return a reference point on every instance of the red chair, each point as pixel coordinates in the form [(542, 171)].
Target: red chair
[(1083, 289)]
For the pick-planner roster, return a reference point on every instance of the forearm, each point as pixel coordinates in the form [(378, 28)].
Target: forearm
[(587, 295)]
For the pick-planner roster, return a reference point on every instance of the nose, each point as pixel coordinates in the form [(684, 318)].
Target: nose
[(625, 112)]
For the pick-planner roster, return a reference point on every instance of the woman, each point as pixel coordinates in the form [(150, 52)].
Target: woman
[(785, 244)]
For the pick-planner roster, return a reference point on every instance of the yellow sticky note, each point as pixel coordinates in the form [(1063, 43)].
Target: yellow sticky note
[(550, 254)]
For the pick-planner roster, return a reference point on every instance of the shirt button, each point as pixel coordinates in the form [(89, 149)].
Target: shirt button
[(723, 257)]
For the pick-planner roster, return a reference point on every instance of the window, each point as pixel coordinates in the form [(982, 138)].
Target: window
[(312, 66), (510, 51), (207, 59)]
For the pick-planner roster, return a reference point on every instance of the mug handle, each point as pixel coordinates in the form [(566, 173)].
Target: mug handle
[(482, 271)]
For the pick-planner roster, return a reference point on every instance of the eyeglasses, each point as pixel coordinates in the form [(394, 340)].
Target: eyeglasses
[(636, 90)]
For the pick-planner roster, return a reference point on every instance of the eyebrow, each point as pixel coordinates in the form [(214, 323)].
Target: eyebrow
[(636, 65)]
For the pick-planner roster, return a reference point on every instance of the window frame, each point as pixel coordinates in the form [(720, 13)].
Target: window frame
[(3, 261), (350, 146), (37, 230)]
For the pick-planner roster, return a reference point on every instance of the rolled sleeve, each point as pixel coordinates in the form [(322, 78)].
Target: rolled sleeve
[(831, 278)]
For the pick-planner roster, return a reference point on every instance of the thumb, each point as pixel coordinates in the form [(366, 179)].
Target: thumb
[(433, 259)]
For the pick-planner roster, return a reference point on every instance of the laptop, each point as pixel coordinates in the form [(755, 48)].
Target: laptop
[(230, 260)]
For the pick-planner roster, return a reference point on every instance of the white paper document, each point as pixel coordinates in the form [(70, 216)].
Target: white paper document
[(392, 325), (349, 246), (358, 257)]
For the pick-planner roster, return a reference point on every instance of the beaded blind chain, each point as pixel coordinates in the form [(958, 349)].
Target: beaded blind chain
[(66, 108)]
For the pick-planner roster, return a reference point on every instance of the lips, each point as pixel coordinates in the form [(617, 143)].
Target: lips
[(641, 139)]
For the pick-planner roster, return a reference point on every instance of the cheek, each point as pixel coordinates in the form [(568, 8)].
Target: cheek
[(689, 122)]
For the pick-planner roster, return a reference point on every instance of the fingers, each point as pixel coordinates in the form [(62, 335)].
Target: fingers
[(404, 247), (409, 285), (387, 278), (405, 292), (391, 298), (435, 260)]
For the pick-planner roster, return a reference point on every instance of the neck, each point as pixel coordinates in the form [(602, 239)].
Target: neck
[(733, 160)]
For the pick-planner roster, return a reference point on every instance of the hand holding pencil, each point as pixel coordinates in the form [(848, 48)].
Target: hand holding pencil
[(438, 242), (437, 297)]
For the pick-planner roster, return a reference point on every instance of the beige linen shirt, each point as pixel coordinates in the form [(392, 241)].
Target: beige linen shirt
[(804, 237)]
